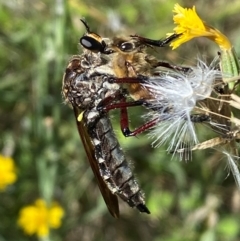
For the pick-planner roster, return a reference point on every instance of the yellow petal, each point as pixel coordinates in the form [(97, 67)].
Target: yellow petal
[(55, 215), (38, 218), (190, 26), (7, 172)]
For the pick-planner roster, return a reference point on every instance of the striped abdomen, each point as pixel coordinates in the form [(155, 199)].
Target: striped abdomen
[(113, 165)]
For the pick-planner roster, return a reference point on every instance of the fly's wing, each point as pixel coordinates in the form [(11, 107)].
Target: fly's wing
[(109, 198)]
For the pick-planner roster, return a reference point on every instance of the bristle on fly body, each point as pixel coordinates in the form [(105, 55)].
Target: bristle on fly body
[(175, 96)]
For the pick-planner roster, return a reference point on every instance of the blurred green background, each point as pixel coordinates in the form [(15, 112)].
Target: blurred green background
[(197, 200)]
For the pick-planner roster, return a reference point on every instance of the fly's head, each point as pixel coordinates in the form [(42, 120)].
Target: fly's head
[(94, 42)]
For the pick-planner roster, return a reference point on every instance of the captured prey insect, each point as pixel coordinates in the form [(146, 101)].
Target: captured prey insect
[(84, 86)]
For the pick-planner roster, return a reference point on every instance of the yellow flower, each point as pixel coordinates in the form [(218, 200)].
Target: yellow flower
[(190, 25), (7, 172), (39, 218)]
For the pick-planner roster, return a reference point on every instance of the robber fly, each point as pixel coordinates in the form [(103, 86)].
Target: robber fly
[(97, 81), (85, 85)]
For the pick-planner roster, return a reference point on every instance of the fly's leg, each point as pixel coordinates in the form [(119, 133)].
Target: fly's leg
[(156, 43), (118, 101)]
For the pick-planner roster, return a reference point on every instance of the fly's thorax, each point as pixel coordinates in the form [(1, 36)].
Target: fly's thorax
[(84, 79)]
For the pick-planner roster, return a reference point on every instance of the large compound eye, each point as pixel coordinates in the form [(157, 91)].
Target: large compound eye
[(127, 47), (92, 44)]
